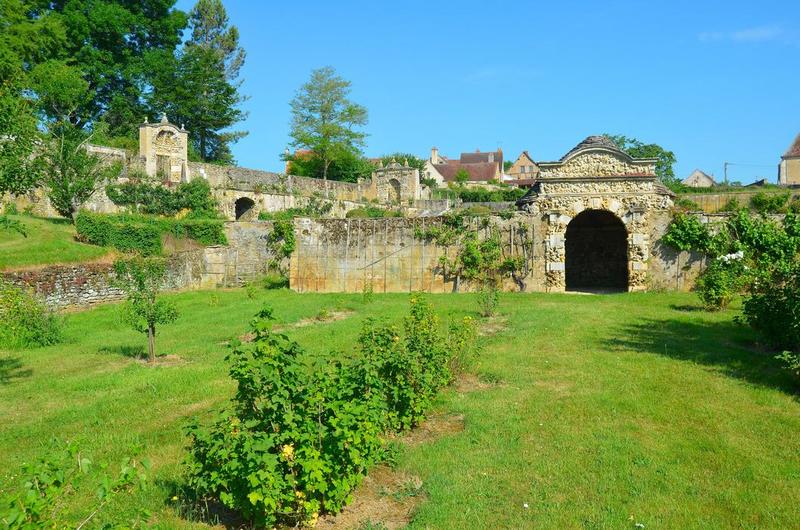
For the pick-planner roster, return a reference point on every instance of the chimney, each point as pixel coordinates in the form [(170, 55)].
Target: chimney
[(434, 155)]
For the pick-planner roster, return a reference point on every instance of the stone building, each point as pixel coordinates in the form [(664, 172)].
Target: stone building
[(699, 179), (524, 168), (789, 168)]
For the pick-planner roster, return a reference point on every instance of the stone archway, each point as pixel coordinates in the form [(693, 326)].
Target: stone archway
[(244, 209), (596, 252)]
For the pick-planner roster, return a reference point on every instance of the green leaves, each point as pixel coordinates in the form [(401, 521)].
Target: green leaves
[(297, 441)]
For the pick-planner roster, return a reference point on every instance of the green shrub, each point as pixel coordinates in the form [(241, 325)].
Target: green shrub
[(687, 204), (314, 209), (142, 234), (773, 307), (478, 194), (720, 283), (686, 232), (731, 205), (372, 212), (296, 442), (25, 321), (148, 198), (765, 203)]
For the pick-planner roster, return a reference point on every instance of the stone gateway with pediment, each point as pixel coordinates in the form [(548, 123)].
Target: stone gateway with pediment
[(599, 208)]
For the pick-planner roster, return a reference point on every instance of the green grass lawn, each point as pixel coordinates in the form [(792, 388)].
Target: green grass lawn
[(48, 241), (604, 412)]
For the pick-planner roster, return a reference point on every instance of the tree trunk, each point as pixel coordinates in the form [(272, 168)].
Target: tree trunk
[(202, 145), (151, 343), (325, 165)]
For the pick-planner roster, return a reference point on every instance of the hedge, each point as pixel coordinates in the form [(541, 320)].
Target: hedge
[(140, 233)]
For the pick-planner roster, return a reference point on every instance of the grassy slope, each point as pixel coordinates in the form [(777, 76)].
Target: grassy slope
[(49, 241), (608, 407)]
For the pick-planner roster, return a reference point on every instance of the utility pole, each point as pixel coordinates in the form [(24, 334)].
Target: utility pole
[(725, 170)]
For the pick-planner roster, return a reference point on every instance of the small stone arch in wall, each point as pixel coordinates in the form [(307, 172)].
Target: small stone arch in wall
[(245, 209)]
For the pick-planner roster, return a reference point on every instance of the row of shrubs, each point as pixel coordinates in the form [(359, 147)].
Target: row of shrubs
[(143, 234), (295, 442), (480, 194), (372, 212)]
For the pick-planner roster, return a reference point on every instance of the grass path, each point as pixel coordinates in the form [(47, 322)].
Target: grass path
[(48, 241), (606, 411)]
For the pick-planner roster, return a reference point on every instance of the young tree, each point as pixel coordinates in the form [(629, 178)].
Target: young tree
[(461, 177), (324, 120), (72, 175), (636, 149), (141, 279)]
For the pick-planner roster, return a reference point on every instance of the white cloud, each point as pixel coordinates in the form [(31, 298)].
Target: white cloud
[(765, 33), (759, 34)]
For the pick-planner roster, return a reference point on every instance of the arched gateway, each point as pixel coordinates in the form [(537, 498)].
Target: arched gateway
[(596, 252), (598, 208)]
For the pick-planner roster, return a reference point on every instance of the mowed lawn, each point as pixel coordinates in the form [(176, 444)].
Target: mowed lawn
[(47, 241), (599, 412)]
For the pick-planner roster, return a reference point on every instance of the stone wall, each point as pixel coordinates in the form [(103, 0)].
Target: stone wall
[(345, 255), (713, 202), (244, 259), (348, 255)]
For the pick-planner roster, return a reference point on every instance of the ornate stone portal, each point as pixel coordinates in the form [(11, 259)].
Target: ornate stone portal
[(597, 175), (164, 149)]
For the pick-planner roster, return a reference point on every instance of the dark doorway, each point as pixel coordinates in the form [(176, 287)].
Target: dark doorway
[(597, 252), (245, 209)]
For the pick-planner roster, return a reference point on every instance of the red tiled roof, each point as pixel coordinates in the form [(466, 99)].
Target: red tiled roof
[(479, 157), (480, 172), (794, 150)]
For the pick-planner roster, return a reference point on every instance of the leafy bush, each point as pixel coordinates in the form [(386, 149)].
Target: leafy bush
[(731, 205), (142, 234), (687, 204), (478, 194), (314, 209), (294, 442), (686, 232), (371, 212), (148, 198), (773, 306), (25, 321), (720, 283), (765, 203)]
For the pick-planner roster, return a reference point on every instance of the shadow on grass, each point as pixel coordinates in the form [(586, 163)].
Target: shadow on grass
[(686, 308), (189, 508), (11, 369), (725, 346), (134, 352)]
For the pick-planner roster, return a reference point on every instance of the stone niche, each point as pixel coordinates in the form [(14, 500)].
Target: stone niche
[(396, 183), (164, 149)]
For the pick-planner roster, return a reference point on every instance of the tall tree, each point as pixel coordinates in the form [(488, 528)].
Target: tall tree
[(200, 88), (116, 45), (211, 30), (324, 120), (25, 41), (665, 160)]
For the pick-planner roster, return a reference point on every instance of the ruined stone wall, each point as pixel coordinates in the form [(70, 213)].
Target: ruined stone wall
[(713, 202), (348, 255), (245, 258), (275, 183)]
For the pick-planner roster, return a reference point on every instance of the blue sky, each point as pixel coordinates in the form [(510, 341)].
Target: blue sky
[(713, 81)]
